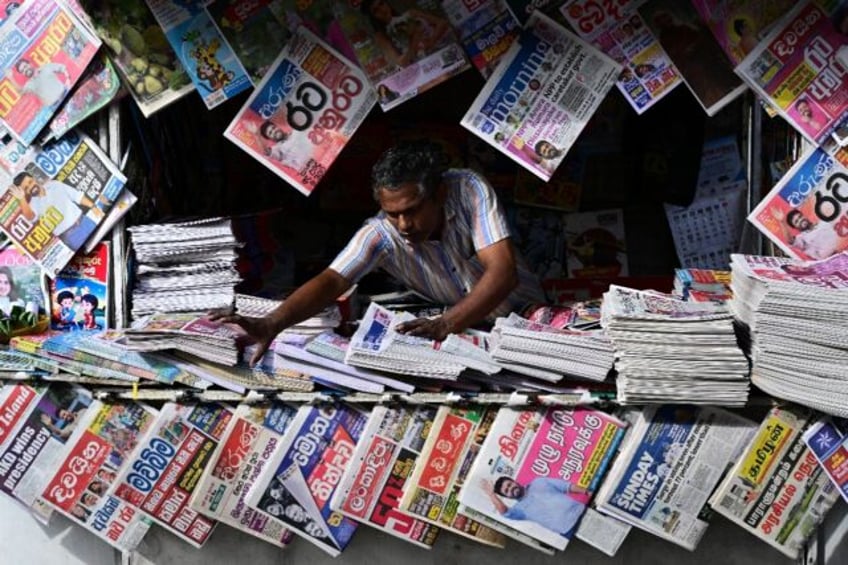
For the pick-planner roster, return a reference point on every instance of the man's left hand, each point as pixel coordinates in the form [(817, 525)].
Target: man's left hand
[(431, 328)]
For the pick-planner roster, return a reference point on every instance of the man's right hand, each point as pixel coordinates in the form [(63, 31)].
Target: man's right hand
[(261, 330), (16, 191)]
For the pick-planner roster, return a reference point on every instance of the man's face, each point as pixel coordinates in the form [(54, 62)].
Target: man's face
[(511, 489), (31, 187), (547, 150), (799, 222), (315, 530), (804, 110), (416, 218), (274, 133), (67, 415), (295, 512)]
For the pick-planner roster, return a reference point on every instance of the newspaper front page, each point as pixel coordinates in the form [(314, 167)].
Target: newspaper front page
[(538, 468), (777, 490), (166, 466), (485, 29), (541, 95), (96, 453), (304, 111), (669, 465), (800, 69), (828, 440), (44, 50), (248, 443)]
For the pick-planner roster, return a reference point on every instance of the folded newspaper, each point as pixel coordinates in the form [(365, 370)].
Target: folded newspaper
[(188, 332)]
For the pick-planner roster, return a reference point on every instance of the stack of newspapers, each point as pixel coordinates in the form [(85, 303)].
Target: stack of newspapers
[(258, 307), (184, 267), (668, 350), (376, 345), (185, 332), (548, 353), (797, 316)]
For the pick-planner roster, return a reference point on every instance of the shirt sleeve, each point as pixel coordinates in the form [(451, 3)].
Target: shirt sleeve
[(72, 194), (364, 252), (515, 513), (485, 213)]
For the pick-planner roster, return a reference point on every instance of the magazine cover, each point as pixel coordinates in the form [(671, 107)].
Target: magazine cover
[(256, 31), (248, 443), (303, 112), (541, 95), (20, 285), (164, 468), (98, 86), (595, 245), (54, 204), (94, 456), (372, 485), (31, 449), (45, 50), (485, 29), (739, 25), (204, 53), (694, 51), (295, 487), (797, 69), (80, 293), (828, 440), (803, 214), (142, 55), (405, 47), (618, 30), (433, 489), (776, 489), (538, 468)]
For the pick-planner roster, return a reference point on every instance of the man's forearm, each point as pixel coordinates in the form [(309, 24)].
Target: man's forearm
[(493, 288)]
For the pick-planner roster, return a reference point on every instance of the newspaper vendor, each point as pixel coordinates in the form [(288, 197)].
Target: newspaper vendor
[(440, 231)]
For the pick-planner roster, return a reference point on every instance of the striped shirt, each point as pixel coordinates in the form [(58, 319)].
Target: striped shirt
[(444, 270)]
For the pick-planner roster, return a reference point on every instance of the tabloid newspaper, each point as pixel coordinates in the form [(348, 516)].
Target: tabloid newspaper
[(52, 203), (80, 293), (204, 53), (371, 488), (36, 424), (800, 69), (828, 440), (777, 490), (44, 50), (141, 53), (668, 467), (595, 244), (295, 487), (541, 95), (485, 29), (165, 467), (538, 468), (248, 443), (739, 26), (404, 49), (433, 488), (94, 456), (617, 29), (805, 214), (303, 112)]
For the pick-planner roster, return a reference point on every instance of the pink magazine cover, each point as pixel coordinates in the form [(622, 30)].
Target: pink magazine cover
[(44, 51), (538, 469), (304, 111)]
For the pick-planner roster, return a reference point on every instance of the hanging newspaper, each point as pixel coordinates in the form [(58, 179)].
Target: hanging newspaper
[(668, 467), (485, 29), (204, 53), (800, 69), (44, 50), (96, 453), (166, 465), (295, 487), (52, 204), (541, 95), (805, 214), (42, 419), (373, 483), (403, 51), (538, 468), (247, 445), (828, 441), (141, 53), (618, 30), (777, 490), (303, 112), (433, 489)]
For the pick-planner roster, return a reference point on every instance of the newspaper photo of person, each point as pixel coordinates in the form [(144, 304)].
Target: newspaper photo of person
[(541, 501)]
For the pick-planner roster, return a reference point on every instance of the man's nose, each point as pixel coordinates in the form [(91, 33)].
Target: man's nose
[(403, 223)]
